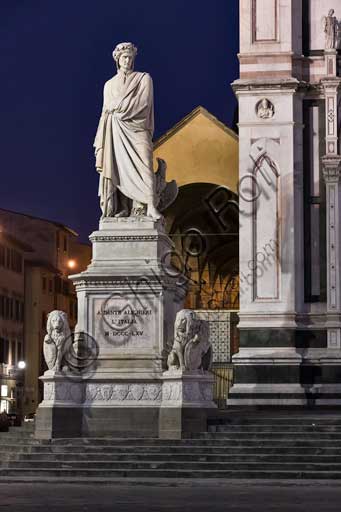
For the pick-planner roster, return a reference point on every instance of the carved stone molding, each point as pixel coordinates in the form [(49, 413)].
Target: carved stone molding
[(118, 392), (64, 391), (195, 390), (171, 391), (331, 169), (131, 284), (127, 238)]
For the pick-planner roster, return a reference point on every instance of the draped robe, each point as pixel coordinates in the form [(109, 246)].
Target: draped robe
[(123, 142)]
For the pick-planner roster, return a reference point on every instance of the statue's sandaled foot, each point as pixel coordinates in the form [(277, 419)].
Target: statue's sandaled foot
[(123, 213), (153, 212)]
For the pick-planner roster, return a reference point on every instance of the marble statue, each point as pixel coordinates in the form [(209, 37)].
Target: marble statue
[(58, 340), (330, 30), (191, 348), (265, 109), (123, 144), (198, 353)]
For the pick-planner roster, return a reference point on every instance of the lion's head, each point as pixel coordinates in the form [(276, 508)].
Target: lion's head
[(58, 324), (185, 325)]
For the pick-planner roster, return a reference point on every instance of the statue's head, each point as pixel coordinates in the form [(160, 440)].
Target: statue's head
[(124, 56), (265, 103), (185, 324), (57, 322), (331, 12)]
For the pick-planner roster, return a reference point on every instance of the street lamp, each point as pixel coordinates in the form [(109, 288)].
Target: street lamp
[(21, 365), (71, 264)]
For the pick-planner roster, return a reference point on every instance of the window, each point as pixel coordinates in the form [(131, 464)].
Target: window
[(7, 308), (13, 353), (43, 283), (8, 258), (4, 406), (43, 320), (11, 308), (66, 287), (16, 261), (50, 286), (2, 306), (57, 284), (57, 240), (2, 255), (21, 311), (20, 354), (4, 348), (65, 243), (17, 310), (314, 203)]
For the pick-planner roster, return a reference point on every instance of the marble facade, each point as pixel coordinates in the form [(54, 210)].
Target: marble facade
[(289, 165)]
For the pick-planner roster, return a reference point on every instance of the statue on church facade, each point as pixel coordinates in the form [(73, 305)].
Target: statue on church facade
[(331, 27), (265, 109), (123, 144)]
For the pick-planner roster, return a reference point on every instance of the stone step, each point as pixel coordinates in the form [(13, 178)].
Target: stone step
[(214, 432), (85, 466), (222, 442), (62, 474), (220, 436), (182, 457), (267, 434), (276, 419), (275, 428), (170, 450)]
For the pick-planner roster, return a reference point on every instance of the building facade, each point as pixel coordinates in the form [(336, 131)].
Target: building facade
[(49, 253), (12, 292), (289, 172)]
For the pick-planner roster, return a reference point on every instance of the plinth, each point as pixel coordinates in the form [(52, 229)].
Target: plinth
[(127, 302), (187, 401)]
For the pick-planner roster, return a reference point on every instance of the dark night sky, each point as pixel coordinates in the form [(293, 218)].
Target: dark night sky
[(56, 56)]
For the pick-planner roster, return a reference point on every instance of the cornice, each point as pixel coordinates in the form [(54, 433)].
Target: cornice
[(275, 85)]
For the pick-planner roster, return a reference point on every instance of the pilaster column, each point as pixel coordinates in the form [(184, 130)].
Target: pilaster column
[(331, 62), (331, 173), (331, 90)]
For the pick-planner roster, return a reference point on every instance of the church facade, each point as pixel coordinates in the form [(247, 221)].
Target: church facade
[(289, 192)]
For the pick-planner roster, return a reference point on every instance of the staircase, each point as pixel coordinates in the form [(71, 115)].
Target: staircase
[(237, 445)]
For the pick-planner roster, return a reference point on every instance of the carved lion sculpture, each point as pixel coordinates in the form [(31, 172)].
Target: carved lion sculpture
[(184, 330), (198, 352), (57, 341), (191, 348)]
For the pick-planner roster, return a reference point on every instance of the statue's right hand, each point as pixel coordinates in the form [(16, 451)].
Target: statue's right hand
[(47, 339)]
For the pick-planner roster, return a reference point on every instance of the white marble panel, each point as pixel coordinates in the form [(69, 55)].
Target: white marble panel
[(265, 20)]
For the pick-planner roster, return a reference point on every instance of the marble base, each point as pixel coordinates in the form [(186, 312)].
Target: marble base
[(187, 401), (286, 376), (127, 302), (170, 406)]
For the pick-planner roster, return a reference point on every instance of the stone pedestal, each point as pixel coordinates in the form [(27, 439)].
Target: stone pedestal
[(187, 400), (127, 302), (60, 412)]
